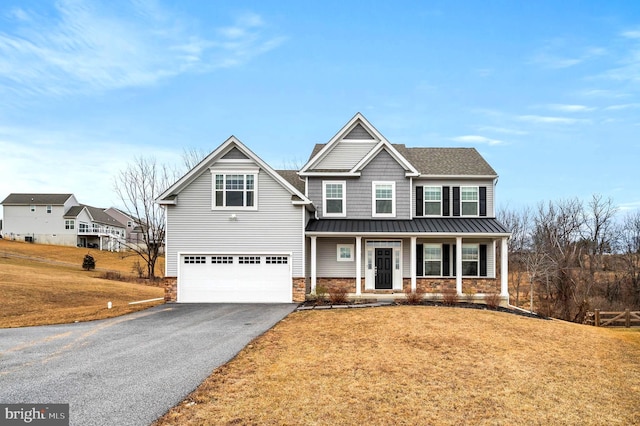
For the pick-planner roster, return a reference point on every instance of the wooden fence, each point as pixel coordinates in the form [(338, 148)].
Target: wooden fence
[(626, 318)]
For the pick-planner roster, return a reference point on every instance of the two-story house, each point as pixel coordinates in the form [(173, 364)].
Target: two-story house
[(60, 219), (362, 214)]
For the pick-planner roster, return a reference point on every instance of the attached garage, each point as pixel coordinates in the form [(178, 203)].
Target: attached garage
[(234, 278)]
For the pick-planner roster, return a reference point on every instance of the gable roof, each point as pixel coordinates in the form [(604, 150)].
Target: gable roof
[(26, 199), (359, 133), (97, 214), (232, 144), (292, 177)]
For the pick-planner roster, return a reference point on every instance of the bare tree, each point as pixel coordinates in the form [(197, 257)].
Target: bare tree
[(137, 187), (519, 224), (557, 230), (629, 246), (598, 236), (192, 156)]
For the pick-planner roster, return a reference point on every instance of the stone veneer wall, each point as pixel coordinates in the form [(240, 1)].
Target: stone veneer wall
[(170, 289), (469, 285), (299, 289), (428, 285)]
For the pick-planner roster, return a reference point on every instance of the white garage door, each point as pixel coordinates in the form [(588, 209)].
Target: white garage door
[(233, 278)]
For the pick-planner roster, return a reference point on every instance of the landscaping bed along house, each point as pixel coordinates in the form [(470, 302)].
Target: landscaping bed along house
[(339, 299)]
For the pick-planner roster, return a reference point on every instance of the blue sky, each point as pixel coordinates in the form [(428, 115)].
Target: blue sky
[(547, 91)]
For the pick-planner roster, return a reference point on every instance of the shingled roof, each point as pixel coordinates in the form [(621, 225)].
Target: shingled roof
[(36, 199), (292, 177), (440, 161)]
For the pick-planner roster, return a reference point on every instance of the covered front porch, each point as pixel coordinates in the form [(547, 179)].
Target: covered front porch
[(386, 258)]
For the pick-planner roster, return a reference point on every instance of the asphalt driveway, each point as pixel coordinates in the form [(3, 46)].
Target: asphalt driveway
[(127, 370)]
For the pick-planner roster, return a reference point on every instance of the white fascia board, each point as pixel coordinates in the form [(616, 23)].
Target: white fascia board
[(187, 178), (384, 144), (339, 135), (172, 202), (330, 174), (478, 177)]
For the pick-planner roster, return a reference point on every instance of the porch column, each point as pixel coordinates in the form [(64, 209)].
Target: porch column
[(313, 264), (459, 265), (412, 262), (504, 269), (358, 265)]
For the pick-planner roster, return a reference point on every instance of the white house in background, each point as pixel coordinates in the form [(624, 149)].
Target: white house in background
[(363, 214), (59, 219)]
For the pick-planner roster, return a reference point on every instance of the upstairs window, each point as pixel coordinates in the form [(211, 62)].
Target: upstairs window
[(32, 208), (49, 209), (432, 200), (469, 200), (333, 199), (234, 190), (384, 199), (69, 224)]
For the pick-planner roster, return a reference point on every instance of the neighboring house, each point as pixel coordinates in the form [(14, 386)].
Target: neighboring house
[(134, 229), (59, 219), (363, 214)]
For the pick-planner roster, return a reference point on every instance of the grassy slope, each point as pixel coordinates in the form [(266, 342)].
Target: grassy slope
[(423, 365), (37, 292)]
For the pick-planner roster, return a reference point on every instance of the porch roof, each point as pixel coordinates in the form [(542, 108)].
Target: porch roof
[(482, 226)]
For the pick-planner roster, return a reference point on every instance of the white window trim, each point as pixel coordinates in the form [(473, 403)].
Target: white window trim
[(477, 201), (245, 172), (393, 199), (324, 198), (424, 201), (425, 260), (344, 259), (477, 246)]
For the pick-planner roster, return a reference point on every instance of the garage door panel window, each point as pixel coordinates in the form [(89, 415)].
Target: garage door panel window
[(222, 259), (249, 260), (234, 190), (195, 259), (276, 260)]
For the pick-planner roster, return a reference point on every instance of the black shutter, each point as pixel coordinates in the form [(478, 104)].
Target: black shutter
[(453, 256), (483, 201), (419, 260), (456, 201), (483, 260), (419, 201), (446, 254), (445, 201)]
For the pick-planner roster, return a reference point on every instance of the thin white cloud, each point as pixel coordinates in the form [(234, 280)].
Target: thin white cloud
[(569, 108), (560, 53), (541, 119), (32, 157), (621, 107), (477, 139), (631, 34), (88, 47), (504, 130)]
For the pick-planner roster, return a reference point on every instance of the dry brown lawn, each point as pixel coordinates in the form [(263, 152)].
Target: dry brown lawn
[(37, 290), (423, 365)]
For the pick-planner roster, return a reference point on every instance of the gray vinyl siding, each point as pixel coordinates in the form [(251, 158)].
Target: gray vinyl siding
[(457, 182), (234, 154), (192, 225), (358, 132), (359, 190), (327, 264), (345, 155)]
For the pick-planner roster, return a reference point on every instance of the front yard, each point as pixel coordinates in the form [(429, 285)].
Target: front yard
[(423, 365)]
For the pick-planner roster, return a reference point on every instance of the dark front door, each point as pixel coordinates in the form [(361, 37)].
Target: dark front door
[(384, 272)]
